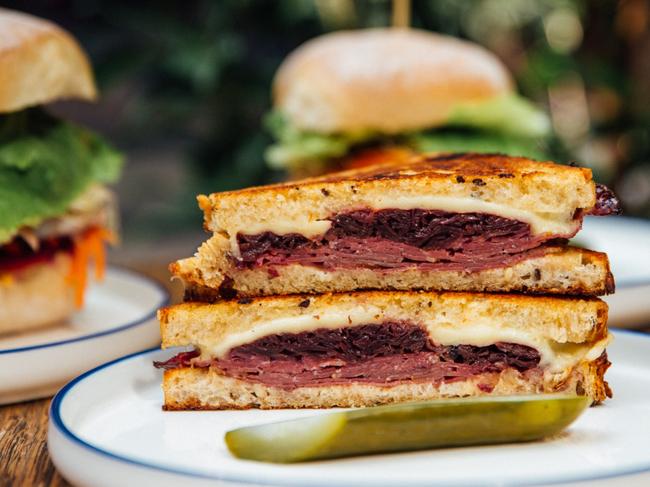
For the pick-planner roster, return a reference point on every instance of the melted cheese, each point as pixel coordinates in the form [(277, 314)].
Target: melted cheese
[(294, 324), (541, 224), (555, 357)]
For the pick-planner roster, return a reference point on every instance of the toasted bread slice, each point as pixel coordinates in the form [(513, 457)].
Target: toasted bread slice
[(211, 275), (218, 327), (207, 389), (549, 197)]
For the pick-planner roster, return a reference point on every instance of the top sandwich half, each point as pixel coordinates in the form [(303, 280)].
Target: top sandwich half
[(461, 218)]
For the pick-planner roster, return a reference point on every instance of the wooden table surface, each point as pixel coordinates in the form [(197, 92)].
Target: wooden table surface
[(24, 460)]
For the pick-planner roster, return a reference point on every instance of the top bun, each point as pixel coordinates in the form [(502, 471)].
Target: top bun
[(40, 63), (384, 80)]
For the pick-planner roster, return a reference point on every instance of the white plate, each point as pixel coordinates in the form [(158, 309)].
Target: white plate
[(119, 318), (107, 429), (627, 242)]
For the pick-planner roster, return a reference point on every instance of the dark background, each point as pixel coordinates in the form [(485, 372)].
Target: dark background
[(186, 84)]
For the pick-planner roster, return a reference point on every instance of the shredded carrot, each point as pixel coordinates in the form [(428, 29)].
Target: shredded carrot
[(88, 246)]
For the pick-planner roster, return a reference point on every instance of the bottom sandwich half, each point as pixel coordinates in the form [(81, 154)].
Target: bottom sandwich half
[(370, 348)]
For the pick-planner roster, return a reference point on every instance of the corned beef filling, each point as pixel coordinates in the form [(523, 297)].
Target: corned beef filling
[(606, 202), (388, 354), (394, 238), (398, 238), (18, 254)]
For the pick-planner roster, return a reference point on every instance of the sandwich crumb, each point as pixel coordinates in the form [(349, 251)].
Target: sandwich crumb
[(325, 192), (304, 304)]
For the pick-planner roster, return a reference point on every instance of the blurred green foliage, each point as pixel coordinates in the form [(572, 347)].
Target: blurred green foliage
[(199, 72)]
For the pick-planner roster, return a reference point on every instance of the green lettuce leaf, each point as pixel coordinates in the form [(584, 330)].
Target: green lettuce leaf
[(473, 141), (45, 164), (508, 115), (296, 148), (508, 124)]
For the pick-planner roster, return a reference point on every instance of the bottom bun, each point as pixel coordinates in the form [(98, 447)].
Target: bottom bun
[(36, 296), (204, 388)]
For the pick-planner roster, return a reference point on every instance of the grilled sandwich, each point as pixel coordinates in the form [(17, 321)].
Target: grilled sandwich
[(461, 222), (377, 347)]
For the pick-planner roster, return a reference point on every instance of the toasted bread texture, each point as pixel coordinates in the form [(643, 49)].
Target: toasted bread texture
[(40, 63), (216, 327), (204, 388), (384, 80), (544, 194), (211, 275), (37, 296)]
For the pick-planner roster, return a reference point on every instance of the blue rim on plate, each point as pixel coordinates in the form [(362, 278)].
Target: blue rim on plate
[(57, 421), (131, 324)]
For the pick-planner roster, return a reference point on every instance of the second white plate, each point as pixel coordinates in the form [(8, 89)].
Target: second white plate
[(119, 318)]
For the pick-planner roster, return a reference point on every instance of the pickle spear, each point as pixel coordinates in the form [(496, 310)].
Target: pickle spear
[(408, 426)]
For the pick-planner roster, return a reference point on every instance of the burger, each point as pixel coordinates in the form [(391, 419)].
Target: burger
[(353, 98), (56, 213)]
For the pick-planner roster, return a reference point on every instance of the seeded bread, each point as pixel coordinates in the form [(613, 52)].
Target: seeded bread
[(561, 319), (539, 190), (210, 275)]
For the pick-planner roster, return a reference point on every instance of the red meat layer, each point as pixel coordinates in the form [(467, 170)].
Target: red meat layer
[(387, 353)]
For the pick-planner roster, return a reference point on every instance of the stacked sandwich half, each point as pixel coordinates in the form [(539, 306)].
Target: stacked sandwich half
[(448, 276)]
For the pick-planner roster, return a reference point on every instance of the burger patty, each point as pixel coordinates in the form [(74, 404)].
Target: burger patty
[(387, 353)]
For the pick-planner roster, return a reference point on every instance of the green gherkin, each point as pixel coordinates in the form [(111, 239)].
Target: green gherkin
[(409, 426)]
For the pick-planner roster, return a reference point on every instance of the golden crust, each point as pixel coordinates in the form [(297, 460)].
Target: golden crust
[(206, 389), (40, 63), (446, 167), (385, 80), (550, 191)]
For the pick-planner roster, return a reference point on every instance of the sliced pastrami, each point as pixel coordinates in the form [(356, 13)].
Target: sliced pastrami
[(385, 354), (607, 203), (396, 238), (428, 229)]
